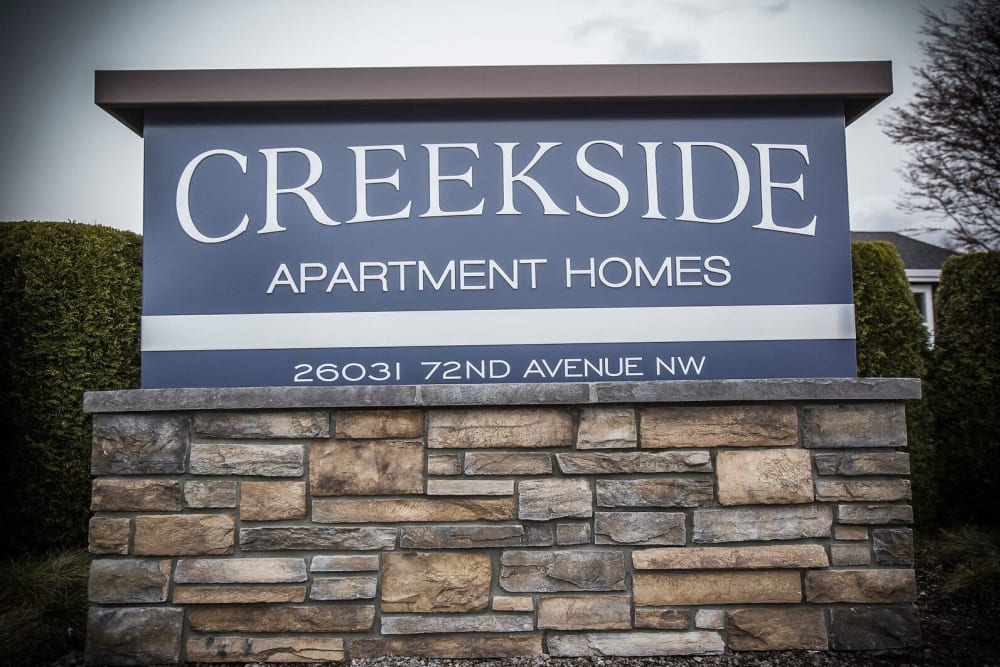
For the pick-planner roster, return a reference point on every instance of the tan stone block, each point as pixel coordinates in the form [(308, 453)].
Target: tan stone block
[(584, 612), (513, 603), (240, 571), (507, 463), (544, 499), (718, 426), (770, 587), (298, 618), (128, 581), (246, 459), (182, 535), (366, 468), (850, 532), (386, 510), (436, 582), (606, 428), (867, 586), (731, 558), (215, 648), (444, 464), (652, 618), (777, 630), (210, 494), (263, 424), (460, 647), (379, 423), (863, 490), (764, 477), (470, 487), (238, 594), (635, 644), (272, 501), (135, 495), (476, 428), (109, 535), (842, 426)]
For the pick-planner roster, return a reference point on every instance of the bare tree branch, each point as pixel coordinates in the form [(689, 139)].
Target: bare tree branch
[(952, 125)]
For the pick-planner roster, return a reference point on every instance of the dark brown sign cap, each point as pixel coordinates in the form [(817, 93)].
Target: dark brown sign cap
[(126, 94)]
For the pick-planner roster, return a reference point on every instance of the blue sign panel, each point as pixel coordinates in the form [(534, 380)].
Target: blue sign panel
[(299, 249)]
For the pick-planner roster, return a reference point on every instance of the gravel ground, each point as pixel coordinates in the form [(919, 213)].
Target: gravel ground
[(957, 632)]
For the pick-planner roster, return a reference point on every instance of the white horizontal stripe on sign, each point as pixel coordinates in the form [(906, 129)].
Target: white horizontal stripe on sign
[(444, 328)]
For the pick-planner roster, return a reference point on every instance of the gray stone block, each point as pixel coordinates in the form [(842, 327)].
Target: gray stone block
[(863, 513), (544, 499), (862, 425), (146, 444), (611, 463), (867, 463), (423, 624), (635, 644), (461, 536), (343, 588), (771, 523), (322, 538), (210, 494), (131, 581), (874, 628), (639, 528), (893, 546), (654, 492), (557, 571), (134, 635)]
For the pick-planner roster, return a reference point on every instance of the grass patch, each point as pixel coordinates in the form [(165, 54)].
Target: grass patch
[(969, 558), (43, 606)]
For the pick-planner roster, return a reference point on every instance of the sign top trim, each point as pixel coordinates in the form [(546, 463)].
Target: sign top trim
[(126, 94)]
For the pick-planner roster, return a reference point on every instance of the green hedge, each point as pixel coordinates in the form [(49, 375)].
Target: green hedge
[(70, 296), (965, 387), (892, 342)]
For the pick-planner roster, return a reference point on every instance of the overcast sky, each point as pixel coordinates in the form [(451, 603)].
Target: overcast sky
[(62, 158)]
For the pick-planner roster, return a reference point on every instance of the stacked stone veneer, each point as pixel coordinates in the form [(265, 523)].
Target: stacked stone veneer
[(568, 530)]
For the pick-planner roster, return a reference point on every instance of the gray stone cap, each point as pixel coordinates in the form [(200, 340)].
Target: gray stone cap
[(561, 393)]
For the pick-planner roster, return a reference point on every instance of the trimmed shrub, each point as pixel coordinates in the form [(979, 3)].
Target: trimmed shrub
[(965, 384), (71, 300), (892, 339), (892, 342)]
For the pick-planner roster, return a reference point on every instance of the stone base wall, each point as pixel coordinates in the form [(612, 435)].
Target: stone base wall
[(598, 526)]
